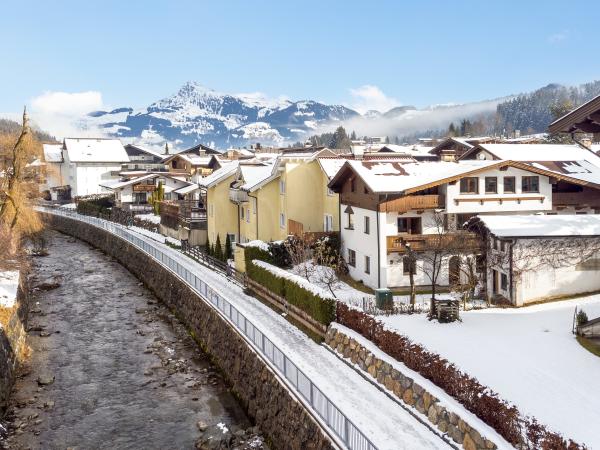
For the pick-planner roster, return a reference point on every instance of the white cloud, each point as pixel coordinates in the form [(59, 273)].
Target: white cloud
[(59, 112), (559, 37), (368, 97)]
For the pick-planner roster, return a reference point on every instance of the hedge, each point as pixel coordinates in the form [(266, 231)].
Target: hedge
[(320, 309), (521, 431)]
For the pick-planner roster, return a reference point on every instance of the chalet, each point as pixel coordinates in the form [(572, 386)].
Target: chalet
[(584, 119), (385, 205), (540, 257), (192, 166), (134, 194), (452, 148), (142, 159)]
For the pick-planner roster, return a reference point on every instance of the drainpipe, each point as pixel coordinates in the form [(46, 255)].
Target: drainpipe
[(255, 198), (238, 222), (510, 272)]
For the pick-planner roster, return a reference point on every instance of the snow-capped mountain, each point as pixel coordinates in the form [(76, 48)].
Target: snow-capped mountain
[(197, 114)]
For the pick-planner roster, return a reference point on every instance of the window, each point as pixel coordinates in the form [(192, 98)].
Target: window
[(248, 215), (410, 225), (530, 184), (502, 246), (350, 221), (242, 213), (580, 212), (282, 187), (231, 238), (282, 220), (351, 258), (503, 282), (469, 185), (408, 266), (509, 185), (327, 222), (367, 264), (367, 224), (491, 185)]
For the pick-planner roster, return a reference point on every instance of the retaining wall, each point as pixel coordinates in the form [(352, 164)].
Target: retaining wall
[(408, 391), (279, 415)]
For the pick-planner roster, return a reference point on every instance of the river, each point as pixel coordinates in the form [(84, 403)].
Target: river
[(111, 367)]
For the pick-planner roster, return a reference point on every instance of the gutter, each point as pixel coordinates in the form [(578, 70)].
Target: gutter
[(378, 247), (510, 273)]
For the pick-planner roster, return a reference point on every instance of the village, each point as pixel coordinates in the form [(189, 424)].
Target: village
[(481, 251)]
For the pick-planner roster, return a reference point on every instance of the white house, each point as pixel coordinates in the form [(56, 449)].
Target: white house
[(540, 257), (385, 205)]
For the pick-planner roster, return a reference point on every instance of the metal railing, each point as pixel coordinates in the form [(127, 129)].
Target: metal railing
[(330, 414)]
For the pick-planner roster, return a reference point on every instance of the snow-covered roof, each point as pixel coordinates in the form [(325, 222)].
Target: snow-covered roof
[(408, 149), (383, 177), (543, 225), (95, 150), (256, 175), (226, 170), (331, 166), (580, 170), (187, 189), (121, 184), (53, 153), (540, 152)]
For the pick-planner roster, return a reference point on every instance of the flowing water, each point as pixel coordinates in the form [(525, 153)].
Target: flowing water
[(110, 366)]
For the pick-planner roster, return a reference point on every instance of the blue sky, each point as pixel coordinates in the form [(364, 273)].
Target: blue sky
[(134, 52)]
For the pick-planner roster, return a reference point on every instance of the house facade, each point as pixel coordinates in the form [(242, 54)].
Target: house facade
[(386, 205), (535, 258)]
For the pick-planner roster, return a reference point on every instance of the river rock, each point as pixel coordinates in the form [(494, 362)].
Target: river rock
[(45, 379)]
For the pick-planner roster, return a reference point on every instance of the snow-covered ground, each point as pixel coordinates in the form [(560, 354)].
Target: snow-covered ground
[(156, 236), (380, 418), (148, 218), (9, 284), (528, 356)]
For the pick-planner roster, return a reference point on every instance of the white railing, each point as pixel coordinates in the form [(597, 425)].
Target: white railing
[(315, 398)]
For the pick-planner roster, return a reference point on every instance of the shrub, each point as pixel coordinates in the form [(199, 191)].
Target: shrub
[(505, 418), (280, 255), (581, 317), (218, 252), (228, 248)]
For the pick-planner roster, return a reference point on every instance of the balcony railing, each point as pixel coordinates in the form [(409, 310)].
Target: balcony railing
[(458, 242), (238, 196), (413, 202)]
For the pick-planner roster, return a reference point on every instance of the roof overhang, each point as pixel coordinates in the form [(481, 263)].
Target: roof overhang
[(584, 119)]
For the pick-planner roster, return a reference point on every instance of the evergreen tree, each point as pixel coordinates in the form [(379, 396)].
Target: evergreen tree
[(387, 139), (208, 247), (353, 136), (228, 248), (452, 130), (218, 253), (340, 139)]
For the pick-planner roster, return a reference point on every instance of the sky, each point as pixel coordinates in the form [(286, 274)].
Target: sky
[(364, 54)]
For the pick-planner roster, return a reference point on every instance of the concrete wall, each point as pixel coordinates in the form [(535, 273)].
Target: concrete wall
[(276, 411)]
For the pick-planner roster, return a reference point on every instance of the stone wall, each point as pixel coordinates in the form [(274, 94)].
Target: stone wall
[(13, 334), (408, 391), (281, 418)]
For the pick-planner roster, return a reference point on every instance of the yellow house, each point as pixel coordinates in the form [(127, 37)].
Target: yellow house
[(270, 198)]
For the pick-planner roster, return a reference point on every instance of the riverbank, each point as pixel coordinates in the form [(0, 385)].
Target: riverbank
[(110, 365)]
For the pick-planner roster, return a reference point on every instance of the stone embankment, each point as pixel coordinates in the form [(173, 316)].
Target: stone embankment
[(406, 390), (277, 413)]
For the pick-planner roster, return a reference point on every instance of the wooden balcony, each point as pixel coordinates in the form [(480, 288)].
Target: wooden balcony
[(459, 242), (413, 202)]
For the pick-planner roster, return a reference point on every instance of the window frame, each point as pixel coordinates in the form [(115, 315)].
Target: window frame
[(503, 282), (530, 177), (351, 258), (514, 185), (485, 185), (466, 180), (367, 263), (367, 225), (281, 220)]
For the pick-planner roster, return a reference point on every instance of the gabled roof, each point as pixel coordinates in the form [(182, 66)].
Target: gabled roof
[(256, 176), (53, 153), (95, 150), (121, 184), (536, 152), (585, 118), (144, 150), (199, 149), (406, 178), (187, 189), (539, 225), (227, 169), (463, 141)]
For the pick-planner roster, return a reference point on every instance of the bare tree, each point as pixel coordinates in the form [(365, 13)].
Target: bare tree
[(329, 265), (300, 253)]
